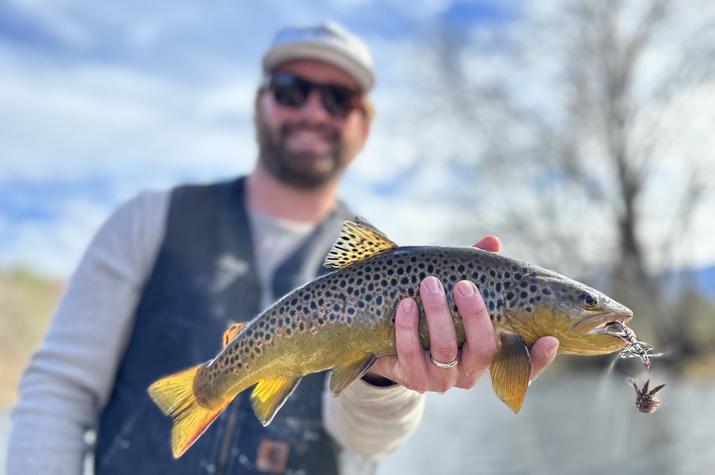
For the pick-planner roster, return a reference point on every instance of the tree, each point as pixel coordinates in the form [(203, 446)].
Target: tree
[(577, 123)]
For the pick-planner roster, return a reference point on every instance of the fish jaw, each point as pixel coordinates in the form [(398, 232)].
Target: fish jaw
[(604, 335)]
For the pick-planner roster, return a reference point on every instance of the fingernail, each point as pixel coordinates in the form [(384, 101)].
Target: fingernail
[(551, 351), (466, 289), (407, 305), (432, 285)]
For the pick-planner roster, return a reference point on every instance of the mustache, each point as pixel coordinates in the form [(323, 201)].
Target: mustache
[(322, 129)]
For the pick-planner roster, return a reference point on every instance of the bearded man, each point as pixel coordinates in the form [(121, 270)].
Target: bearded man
[(169, 271)]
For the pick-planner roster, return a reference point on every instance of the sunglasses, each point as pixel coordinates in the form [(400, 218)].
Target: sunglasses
[(293, 91)]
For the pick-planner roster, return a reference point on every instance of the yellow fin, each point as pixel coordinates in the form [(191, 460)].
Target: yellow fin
[(510, 370), (358, 240), (174, 394), (232, 332), (344, 374), (269, 395)]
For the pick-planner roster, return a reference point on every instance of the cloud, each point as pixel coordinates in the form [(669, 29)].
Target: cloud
[(128, 96)]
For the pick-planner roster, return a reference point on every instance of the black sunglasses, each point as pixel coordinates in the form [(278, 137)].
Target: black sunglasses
[(293, 91)]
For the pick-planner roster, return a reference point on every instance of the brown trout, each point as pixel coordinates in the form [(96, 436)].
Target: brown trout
[(345, 320)]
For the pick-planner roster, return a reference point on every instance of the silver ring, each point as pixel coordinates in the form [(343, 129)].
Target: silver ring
[(439, 364)]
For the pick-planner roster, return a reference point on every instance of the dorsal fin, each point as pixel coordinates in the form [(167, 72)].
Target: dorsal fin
[(358, 240), (232, 332)]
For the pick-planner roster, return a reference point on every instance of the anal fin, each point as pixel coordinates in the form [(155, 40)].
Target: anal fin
[(269, 395), (510, 370), (345, 373)]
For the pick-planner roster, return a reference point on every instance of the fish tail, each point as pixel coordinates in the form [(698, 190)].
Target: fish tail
[(174, 394)]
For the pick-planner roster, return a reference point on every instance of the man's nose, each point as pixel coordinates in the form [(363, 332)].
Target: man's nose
[(313, 108)]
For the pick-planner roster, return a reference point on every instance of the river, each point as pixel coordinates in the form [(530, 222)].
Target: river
[(569, 425)]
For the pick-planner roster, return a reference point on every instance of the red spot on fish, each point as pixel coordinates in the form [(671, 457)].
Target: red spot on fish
[(259, 342)]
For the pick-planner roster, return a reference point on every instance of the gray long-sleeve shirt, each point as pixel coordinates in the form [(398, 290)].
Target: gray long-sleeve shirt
[(69, 379)]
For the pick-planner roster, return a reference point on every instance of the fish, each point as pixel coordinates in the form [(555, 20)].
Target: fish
[(344, 321)]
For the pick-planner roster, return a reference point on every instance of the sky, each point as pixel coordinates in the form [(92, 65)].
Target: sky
[(99, 101)]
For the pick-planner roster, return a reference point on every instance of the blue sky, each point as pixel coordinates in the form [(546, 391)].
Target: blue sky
[(99, 101)]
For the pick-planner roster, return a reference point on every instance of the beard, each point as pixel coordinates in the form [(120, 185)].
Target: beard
[(304, 170)]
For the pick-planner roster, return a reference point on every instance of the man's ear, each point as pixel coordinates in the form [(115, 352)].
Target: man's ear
[(368, 116)]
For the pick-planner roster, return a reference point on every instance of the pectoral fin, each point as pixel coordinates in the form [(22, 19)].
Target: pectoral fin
[(510, 370), (346, 373), (269, 395)]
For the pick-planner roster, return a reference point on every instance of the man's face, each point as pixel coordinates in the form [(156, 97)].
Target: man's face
[(305, 146)]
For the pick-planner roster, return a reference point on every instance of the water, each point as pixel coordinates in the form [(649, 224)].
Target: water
[(569, 424)]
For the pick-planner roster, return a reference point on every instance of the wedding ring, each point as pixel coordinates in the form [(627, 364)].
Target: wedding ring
[(439, 364)]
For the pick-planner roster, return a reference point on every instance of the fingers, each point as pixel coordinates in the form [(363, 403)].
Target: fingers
[(480, 344), (543, 353), (411, 365), (443, 337), (489, 243)]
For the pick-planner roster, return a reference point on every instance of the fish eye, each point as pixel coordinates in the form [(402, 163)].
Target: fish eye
[(588, 301)]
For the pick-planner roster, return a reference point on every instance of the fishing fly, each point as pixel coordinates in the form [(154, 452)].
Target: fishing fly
[(646, 402)]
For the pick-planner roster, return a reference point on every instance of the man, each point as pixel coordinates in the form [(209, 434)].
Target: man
[(168, 272)]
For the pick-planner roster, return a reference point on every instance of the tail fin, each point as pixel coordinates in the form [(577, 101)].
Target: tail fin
[(174, 394)]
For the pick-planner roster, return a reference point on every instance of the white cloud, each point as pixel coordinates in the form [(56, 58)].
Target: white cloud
[(140, 126)]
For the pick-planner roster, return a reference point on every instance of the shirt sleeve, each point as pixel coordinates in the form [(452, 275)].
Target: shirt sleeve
[(372, 421), (70, 377)]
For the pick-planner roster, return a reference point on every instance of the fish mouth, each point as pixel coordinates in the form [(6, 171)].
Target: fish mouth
[(606, 324)]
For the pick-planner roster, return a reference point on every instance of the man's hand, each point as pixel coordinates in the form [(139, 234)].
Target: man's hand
[(413, 367)]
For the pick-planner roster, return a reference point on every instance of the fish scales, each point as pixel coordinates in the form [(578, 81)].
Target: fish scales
[(367, 294), (344, 320)]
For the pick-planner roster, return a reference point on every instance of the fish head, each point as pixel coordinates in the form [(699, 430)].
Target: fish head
[(586, 321)]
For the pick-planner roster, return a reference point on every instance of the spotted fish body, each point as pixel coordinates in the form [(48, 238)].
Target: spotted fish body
[(345, 320)]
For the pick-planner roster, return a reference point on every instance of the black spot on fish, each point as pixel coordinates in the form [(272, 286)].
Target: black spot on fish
[(533, 288)]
